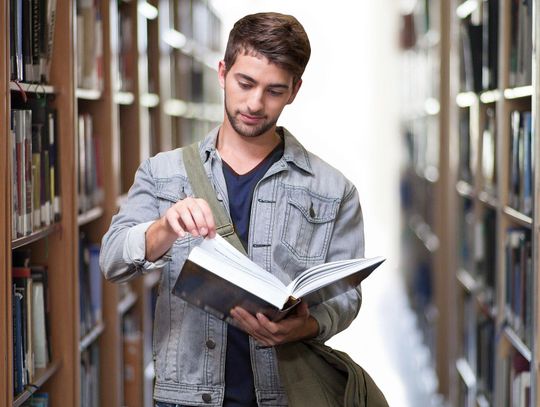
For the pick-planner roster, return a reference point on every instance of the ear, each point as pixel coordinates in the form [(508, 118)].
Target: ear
[(222, 73), (295, 91)]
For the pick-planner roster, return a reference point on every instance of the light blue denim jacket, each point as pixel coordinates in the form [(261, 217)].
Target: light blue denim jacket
[(304, 212)]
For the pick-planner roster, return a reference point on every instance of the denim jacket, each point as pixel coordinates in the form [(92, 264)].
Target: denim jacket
[(304, 212)]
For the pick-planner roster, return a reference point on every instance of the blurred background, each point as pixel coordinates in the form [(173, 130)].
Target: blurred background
[(429, 106)]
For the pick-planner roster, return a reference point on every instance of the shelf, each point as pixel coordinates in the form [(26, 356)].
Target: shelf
[(488, 200), (41, 377), (517, 343), (34, 237), (32, 88), (92, 336), (201, 111), (466, 99), (126, 303), (490, 96), (465, 189), (188, 46), (467, 281), (466, 8), (152, 278), (149, 100), (90, 216), (124, 98), (520, 92), (518, 217), (423, 231), (466, 373), (88, 94), (482, 401)]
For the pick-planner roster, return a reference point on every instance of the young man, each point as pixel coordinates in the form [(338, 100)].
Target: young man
[(290, 209)]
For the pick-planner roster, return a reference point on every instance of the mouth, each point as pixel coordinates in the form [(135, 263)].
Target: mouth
[(248, 119)]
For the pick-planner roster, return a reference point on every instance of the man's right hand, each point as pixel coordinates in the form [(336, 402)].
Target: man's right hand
[(190, 215)]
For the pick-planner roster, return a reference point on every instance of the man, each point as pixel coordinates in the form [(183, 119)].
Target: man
[(290, 209)]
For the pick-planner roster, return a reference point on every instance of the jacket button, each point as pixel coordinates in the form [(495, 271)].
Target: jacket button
[(207, 398), (210, 344)]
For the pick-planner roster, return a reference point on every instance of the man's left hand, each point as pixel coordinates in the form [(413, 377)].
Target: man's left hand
[(297, 326)]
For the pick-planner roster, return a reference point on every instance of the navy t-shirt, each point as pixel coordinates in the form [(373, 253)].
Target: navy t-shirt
[(239, 385)]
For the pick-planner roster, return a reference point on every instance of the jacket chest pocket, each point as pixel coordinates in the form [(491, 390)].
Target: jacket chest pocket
[(171, 190), (308, 224)]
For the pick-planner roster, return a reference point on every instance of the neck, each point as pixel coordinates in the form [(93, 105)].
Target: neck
[(244, 153)]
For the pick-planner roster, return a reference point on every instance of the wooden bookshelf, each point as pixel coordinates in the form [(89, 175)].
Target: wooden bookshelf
[(130, 125), (482, 186)]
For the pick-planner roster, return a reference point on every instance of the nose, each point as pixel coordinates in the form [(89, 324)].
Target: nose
[(255, 102)]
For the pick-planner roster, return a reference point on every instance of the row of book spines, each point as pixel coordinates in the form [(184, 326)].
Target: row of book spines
[(520, 195), (90, 285), (480, 47), (519, 290), (32, 25), (89, 165), (89, 377), (31, 344), (89, 45), (517, 381), (521, 49), (38, 400), (468, 151), (35, 172)]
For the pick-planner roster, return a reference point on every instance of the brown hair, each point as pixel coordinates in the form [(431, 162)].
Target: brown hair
[(278, 37)]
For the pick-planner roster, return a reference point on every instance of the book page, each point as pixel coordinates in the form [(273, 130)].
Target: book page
[(325, 274), (221, 258)]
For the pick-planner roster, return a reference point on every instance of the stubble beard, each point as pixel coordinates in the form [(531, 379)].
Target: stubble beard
[(245, 130)]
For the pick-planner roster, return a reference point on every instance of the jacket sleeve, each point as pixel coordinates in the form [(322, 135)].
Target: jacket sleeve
[(123, 248), (347, 242)]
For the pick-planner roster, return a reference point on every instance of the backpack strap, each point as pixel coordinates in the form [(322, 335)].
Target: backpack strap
[(203, 189)]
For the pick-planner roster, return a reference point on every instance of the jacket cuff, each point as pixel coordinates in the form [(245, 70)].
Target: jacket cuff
[(322, 316), (135, 249)]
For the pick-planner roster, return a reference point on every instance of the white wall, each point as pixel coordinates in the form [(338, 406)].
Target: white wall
[(346, 112)]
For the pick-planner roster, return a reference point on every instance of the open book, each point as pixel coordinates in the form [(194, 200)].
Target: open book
[(216, 277)]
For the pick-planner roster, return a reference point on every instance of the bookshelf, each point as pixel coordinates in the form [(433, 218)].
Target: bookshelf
[(110, 98), (490, 186)]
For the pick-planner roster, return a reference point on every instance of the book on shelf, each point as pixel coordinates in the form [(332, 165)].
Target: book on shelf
[(466, 148), (38, 400), (520, 195), (490, 44), (485, 246), (485, 356), (217, 277), (489, 152), (89, 45), (89, 377), (519, 292), (471, 56), (31, 339), (521, 49), (126, 57), (90, 285), (89, 165)]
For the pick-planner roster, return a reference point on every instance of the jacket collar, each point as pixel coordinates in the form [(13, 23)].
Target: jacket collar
[(293, 152)]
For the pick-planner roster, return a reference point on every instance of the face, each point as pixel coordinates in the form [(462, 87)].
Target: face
[(256, 92)]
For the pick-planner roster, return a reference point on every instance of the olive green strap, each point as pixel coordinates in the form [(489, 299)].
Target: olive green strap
[(202, 189)]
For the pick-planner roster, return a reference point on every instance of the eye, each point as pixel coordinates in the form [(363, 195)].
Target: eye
[(275, 92), (244, 85)]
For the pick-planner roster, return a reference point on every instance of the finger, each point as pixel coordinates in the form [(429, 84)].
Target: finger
[(208, 217), (197, 215), (186, 219), (171, 218), (250, 324)]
